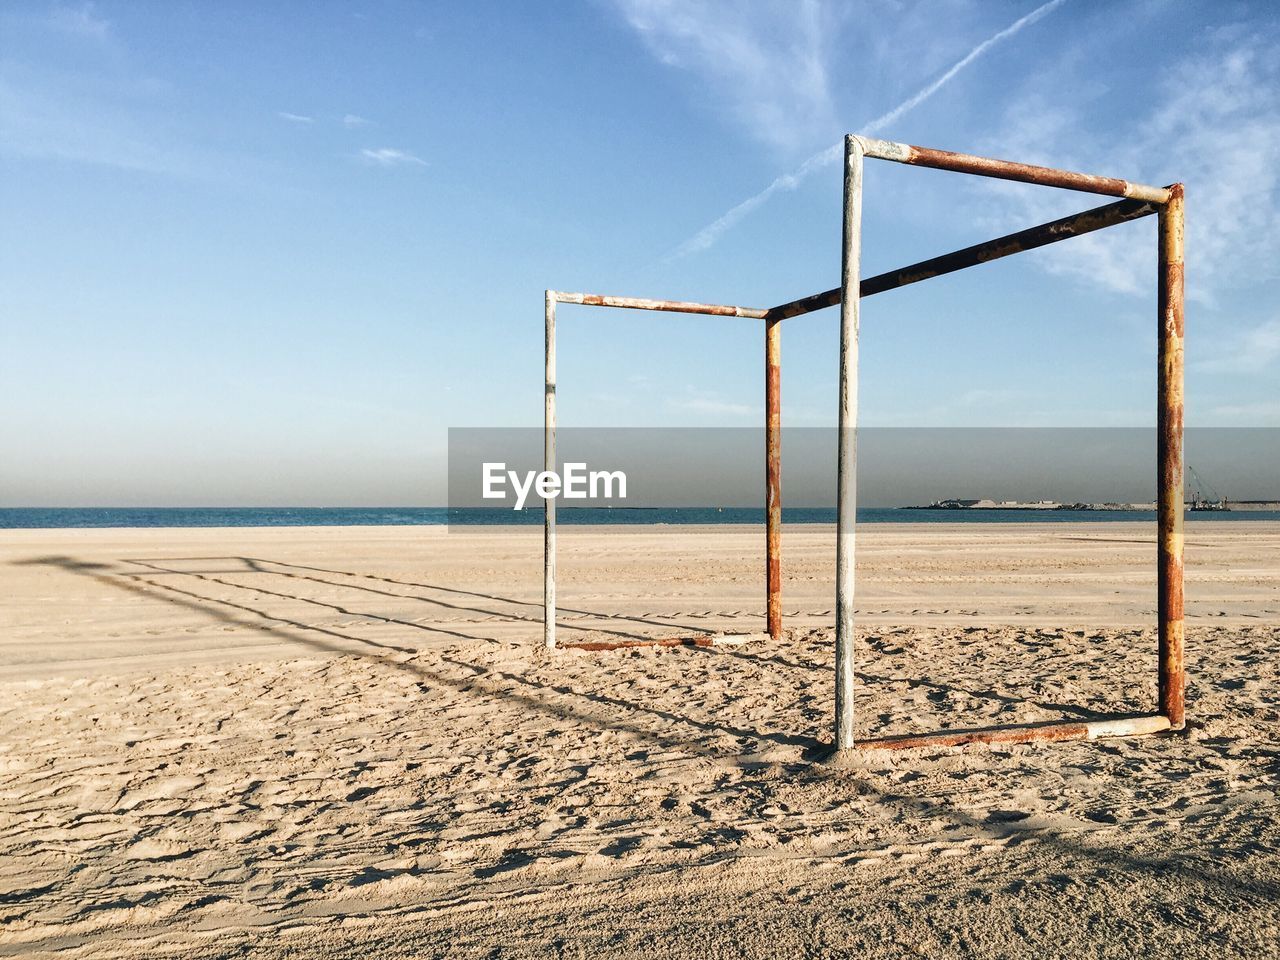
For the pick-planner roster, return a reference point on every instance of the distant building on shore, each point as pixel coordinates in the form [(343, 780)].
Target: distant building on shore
[(984, 504)]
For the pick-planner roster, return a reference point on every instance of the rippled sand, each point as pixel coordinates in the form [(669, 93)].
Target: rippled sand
[(338, 742)]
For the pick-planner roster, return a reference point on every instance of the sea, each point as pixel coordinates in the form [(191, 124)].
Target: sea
[(17, 518)]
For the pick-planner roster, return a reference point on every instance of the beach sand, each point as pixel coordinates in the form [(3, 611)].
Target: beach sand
[(344, 742)]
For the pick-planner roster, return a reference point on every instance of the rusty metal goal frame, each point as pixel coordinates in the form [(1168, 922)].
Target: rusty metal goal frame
[(1138, 200)]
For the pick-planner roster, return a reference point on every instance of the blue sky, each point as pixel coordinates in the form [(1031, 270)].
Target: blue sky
[(269, 253)]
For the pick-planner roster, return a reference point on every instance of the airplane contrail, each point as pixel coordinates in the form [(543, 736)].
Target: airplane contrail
[(709, 234)]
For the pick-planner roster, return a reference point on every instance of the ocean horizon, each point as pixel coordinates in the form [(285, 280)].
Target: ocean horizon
[(44, 518)]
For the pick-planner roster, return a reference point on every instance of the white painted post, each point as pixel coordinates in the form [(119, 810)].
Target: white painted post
[(549, 464), (847, 462)]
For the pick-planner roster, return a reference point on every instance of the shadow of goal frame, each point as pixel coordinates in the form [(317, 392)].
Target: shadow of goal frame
[(1137, 201)]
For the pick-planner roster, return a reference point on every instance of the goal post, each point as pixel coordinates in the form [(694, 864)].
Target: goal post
[(773, 443), (1135, 201)]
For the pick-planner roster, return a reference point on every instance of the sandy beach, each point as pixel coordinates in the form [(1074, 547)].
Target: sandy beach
[(338, 742)]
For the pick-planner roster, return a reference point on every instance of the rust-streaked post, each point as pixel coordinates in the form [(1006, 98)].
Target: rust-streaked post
[(667, 306), (847, 456), (773, 475), (1010, 170), (1169, 457), (1024, 733), (549, 464)]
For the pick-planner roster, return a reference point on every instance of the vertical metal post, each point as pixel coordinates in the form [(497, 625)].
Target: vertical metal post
[(773, 474), (1169, 398), (847, 457), (549, 464)]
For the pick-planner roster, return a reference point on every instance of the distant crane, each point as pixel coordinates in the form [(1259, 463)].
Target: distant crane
[(1203, 496)]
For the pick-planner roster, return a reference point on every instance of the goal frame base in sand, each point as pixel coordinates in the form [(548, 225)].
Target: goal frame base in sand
[(1137, 201)]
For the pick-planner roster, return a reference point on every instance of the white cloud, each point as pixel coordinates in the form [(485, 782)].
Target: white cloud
[(1215, 126), (295, 117), (1263, 413), (709, 234), (84, 120), (82, 21), (1220, 130), (353, 120), (767, 60), (709, 403), (93, 106), (985, 397), (1250, 351), (389, 157), (914, 101)]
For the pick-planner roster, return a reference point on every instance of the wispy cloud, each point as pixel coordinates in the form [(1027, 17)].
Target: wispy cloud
[(1215, 126), (350, 120), (1250, 351), (708, 403), (766, 60), (81, 21), (78, 95), (390, 157), (884, 120), (95, 118), (986, 397), (709, 234), (1262, 413)]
